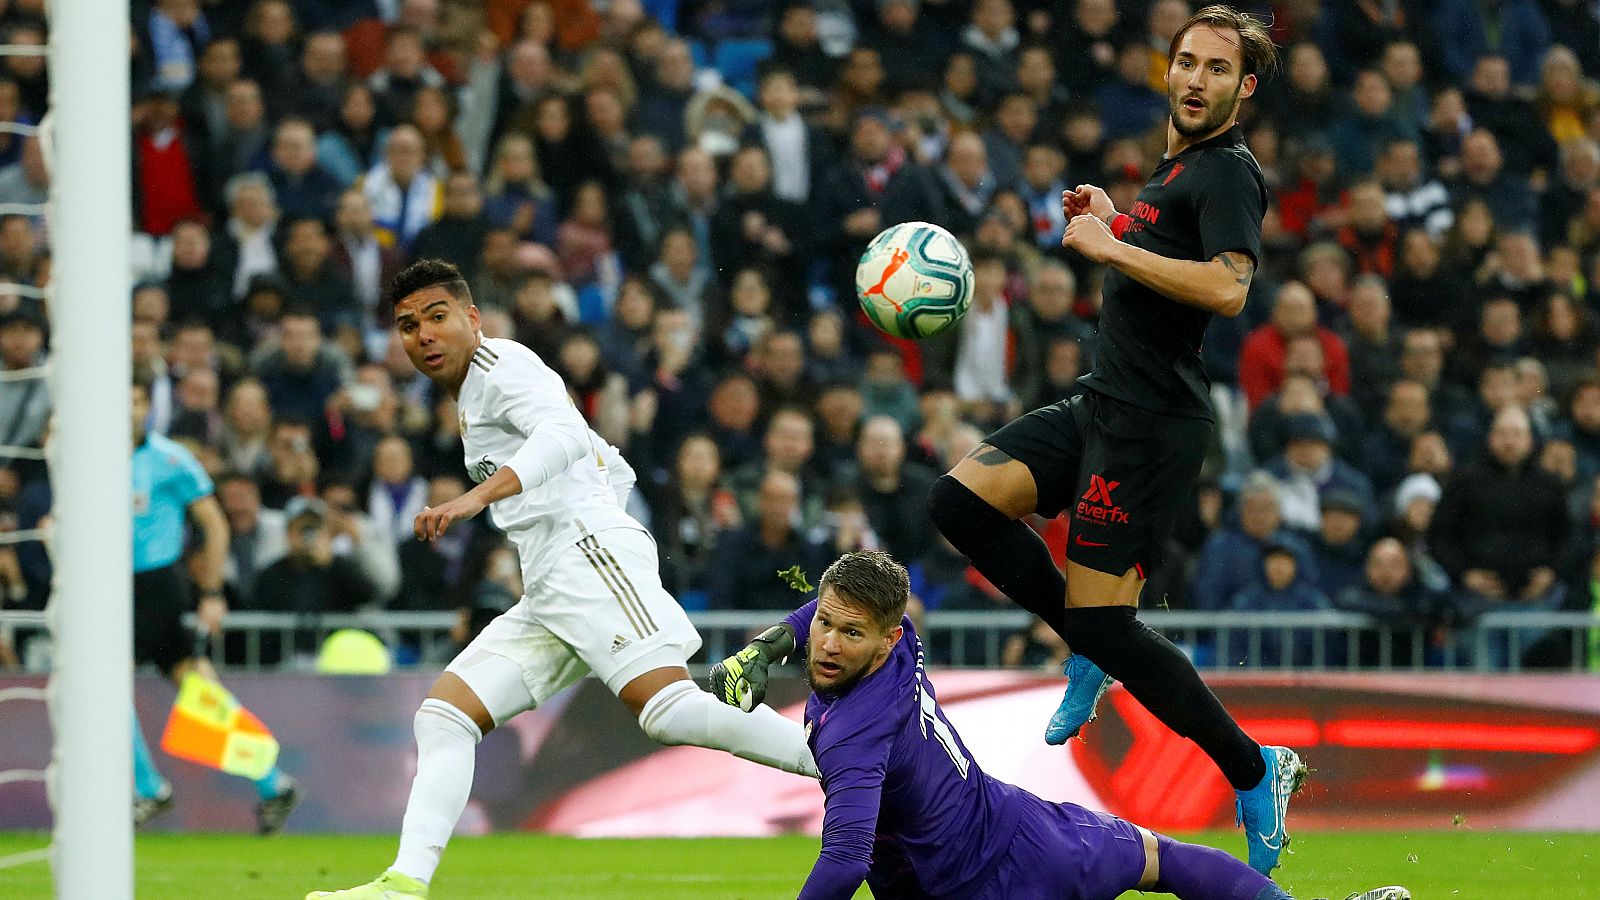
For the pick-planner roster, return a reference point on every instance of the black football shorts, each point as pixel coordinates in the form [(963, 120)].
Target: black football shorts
[(1120, 472), (160, 598)]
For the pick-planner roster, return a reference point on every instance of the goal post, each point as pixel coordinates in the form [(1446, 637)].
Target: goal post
[(91, 694)]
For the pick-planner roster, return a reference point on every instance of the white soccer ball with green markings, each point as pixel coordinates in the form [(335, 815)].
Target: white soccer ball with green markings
[(914, 280)]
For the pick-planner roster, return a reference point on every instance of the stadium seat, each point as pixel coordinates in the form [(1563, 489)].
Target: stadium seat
[(592, 305), (737, 61)]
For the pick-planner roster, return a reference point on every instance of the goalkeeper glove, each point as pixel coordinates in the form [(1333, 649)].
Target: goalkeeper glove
[(741, 679)]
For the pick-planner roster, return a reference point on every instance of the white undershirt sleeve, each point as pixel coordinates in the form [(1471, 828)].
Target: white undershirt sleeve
[(533, 399)]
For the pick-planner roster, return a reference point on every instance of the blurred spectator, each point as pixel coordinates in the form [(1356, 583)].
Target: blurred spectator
[(242, 144), (886, 390), (661, 109), (1412, 197), (1501, 527), (1373, 345), (1484, 176), (257, 537), (584, 240), (433, 112), (1262, 361), (828, 354), (1389, 592), (404, 194), (1304, 102), (982, 348), (360, 253), (788, 445), (643, 203), (196, 415), (1401, 64), (247, 426), (1358, 137), (245, 245), (796, 48), (796, 150), (600, 394), (24, 403), (874, 185), (839, 414), (754, 226), (1308, 471), (1567, 193), (1369, 235), (695, 197), (1582, 426), (744, 575), (1425, 292), (397, 493), (1340, 543), (432, 572), (893, 492), (1230, 559), (1387, 449), (966, 181), (31, 73), (405, 71), (1005, 141), (1128, 106), (318, 87), (1086, 47), (312, 278), (176, 30), (270, 40), (204, 102), (735, 330), (310, 580), (1279, 587), (27, 180), (1510, 117), (517, 197), (992, 38), (779, 366), (458, 234), (302, 371), (165, 189), (908, 46), (301, 186), (689, 511), (1516, 30), (351, 147), (1036, 80)]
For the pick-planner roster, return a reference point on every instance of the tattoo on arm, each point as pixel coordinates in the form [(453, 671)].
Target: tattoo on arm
[(985, 455), (1240, 264)]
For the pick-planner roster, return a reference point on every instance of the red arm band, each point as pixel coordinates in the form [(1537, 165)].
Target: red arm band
[(1119, 224)]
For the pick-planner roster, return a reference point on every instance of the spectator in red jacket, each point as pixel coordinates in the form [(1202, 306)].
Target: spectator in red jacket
[(1261, 360)]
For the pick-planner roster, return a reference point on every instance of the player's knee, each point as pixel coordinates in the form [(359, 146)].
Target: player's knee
[(1099, 631), (437, 721), (674, 716), (961, 515)]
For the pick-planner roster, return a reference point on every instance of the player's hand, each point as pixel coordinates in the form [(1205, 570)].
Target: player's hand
[(1091, 237), (741, 679), (1087, 199), (432, 522)]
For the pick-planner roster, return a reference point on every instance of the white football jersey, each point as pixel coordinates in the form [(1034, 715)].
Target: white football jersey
[(510, 397)]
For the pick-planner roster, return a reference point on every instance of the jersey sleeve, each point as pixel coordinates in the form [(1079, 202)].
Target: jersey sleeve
[(189, 480), (854, 761), (1229, 208), (800, 622), (532, 398)]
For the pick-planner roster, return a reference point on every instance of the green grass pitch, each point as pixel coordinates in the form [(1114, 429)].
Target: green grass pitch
[(1463, 864)]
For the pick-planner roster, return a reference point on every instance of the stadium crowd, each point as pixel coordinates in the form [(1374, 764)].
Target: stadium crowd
[(666, 199)]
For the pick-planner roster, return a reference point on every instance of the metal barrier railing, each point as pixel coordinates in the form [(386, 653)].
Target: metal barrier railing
[(1316, 641)]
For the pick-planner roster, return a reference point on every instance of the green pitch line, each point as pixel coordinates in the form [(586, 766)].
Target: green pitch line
[(1464, 864)]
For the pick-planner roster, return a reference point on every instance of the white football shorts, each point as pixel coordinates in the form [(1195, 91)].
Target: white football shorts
[(599, 607)]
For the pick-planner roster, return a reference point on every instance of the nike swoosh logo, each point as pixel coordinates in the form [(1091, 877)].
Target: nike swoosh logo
[(1078, 539)]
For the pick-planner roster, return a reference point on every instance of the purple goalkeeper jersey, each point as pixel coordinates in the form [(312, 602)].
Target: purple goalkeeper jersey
[(895, 773)]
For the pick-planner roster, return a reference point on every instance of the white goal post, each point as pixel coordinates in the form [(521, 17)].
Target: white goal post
[(91, 611)]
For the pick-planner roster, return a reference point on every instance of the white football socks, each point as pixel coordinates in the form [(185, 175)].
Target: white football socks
[(447, 747), (681, 713)]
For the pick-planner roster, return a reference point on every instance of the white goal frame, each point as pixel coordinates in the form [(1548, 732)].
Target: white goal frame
[(91, 610)]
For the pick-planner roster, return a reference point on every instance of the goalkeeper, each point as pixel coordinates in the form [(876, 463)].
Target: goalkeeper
[(909, 811)]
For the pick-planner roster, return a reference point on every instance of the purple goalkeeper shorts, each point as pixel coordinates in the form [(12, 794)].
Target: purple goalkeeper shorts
[(1062, 851)]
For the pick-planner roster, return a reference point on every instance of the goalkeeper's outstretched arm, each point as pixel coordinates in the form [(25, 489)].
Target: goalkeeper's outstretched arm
[(741, 679)]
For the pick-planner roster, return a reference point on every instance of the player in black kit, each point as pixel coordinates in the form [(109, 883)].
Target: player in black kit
[(1121, 456)]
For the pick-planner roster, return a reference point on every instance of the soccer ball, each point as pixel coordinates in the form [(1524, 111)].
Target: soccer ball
[(914, 280)]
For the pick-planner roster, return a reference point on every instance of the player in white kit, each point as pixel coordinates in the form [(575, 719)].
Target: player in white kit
[(592, 598)]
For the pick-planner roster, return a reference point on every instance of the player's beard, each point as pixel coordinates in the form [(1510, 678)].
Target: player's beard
[(841, 685), (1216, 113)]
